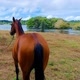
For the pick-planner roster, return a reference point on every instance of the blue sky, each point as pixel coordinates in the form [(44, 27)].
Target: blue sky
[(66, 9)]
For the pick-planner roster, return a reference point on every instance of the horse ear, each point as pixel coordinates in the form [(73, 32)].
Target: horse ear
[(13, 19), (20, 19)]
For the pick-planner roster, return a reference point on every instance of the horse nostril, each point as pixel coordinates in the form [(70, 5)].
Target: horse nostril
[(11, 33)]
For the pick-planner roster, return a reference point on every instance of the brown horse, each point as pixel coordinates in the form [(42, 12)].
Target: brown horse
[(30, 51)]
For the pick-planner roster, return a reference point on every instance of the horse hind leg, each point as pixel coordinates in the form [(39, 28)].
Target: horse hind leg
[(17, 70), (26, 76)]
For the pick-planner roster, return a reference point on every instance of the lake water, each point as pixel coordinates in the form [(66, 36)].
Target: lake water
[(8, 27), (65, 31), (69, 31)]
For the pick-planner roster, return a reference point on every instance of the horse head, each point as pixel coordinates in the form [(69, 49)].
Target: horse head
[(14, 25)]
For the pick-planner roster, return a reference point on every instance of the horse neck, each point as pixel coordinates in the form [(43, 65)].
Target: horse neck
[(19, 31)]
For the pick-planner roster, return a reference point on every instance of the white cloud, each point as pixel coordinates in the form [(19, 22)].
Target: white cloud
[(77, 18), (72, 18), (27, 18), (23, 8), (49, 16)]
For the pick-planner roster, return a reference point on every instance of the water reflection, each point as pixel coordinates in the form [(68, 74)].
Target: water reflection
[(65, 31)]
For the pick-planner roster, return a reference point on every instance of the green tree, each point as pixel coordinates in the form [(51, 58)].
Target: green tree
[(61, 24), (75, 24), (30, 23), (53, 21), (38, 22)]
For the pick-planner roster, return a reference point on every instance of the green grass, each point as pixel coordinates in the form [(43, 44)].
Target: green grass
[(64, 59)]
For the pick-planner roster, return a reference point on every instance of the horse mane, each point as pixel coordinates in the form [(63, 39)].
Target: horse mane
[(20, 26)]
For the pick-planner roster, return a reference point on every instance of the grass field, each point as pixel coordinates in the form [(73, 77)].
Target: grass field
[(64, 59)]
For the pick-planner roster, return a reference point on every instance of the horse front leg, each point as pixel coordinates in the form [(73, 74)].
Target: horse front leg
[(17, 71)]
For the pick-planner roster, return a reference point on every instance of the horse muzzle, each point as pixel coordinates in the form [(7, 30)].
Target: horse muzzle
[(11, 33)]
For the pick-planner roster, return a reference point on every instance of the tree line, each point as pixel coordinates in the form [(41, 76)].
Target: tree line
[(52, 23)]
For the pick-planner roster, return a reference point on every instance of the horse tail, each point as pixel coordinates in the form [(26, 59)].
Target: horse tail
[(38, 62)]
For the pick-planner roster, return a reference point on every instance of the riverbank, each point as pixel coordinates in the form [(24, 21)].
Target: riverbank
[(64, 61)]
